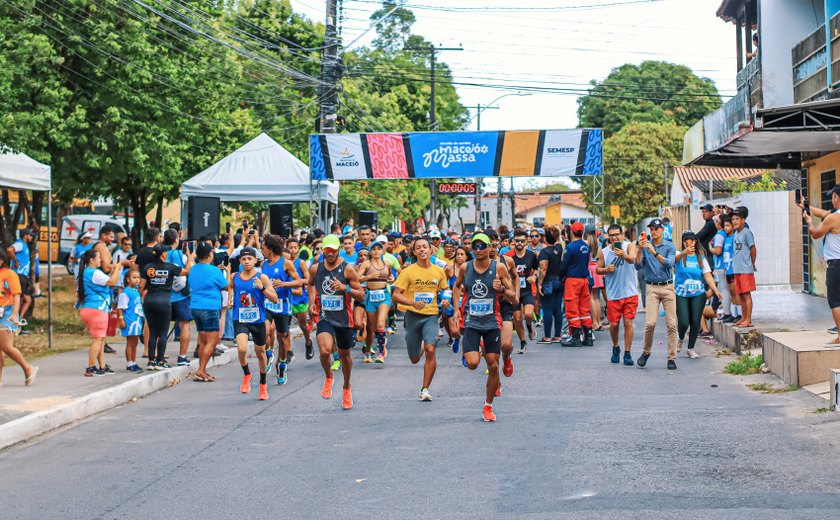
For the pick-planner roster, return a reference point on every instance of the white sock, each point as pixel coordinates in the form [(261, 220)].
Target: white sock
[(487, 404)]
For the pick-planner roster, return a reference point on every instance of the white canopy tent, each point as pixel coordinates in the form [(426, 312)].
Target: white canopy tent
[(259, 171), (18, 171)]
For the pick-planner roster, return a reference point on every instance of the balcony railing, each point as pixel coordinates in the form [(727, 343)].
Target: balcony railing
[(810, 67)]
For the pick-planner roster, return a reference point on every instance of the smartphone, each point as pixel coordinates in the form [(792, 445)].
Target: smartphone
[(184, 247), (245, 224), (227, 227), (798, 196), (192, 246), (643, 237)]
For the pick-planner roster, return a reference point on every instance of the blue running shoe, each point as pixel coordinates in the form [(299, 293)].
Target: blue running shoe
[(282, 378), (456, 346), (616, 355), (628, 361), (463, 361)]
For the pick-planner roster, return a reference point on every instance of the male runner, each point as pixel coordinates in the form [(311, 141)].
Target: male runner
[(333, 285), (615, 262), (247, 293), (365, 238), (416, 293), (527, 266), (485, 283), (506, 308), (300, 303), (284, 278)]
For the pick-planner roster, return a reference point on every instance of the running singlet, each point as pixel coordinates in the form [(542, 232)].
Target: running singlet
[(481, 302), (277, 271), (688, 274), (248, 301), (624, 282), (525, 267), (422, 285), (336, 307)]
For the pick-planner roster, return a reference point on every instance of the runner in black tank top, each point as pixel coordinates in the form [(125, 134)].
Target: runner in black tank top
[(334, 284), (485, 282)]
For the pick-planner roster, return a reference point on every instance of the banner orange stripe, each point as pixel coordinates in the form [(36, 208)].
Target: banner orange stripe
[(519, 155)]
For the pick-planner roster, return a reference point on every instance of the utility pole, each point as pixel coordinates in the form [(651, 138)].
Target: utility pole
[(432, 50), (331, 72), (478, 110)]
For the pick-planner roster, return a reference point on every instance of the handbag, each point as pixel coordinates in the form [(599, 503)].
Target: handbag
[(112, 324)]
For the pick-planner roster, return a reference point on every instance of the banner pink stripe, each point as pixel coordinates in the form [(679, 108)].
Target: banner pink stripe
[(387, 156)]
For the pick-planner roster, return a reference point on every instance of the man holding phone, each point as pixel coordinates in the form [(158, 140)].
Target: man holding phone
[(622, 289), (830, 229), (656, 258)]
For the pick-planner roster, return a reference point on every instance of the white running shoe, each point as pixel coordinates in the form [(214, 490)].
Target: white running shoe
[(680, 344), (691, 354), (425, 395)]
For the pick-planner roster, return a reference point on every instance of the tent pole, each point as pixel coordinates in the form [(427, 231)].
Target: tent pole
[(310, 199), (49, 271)]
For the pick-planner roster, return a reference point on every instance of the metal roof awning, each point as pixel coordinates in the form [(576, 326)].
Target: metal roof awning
[(817, 115), (779, 143)]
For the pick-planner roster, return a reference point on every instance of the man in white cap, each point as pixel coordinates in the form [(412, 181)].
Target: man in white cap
[(437, 246)]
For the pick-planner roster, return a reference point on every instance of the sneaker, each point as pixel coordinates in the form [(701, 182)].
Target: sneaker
[(456, 346), (310, 351), (690, 353), (107, 370), (183, 361), (163, 365), (672, 365), (380, 359), (523, 349), (680, 342), (425, 395), (571, 342), (245, 387), (391, 330), (441, 332), (222, 347), (195, 353), (507, 369), (282, 378), (336, 365), (450, 342), (90, 371), (134, 368), (269, 353), (368, 358), (628, 359), (833, 330), (487, 413), (531, 332), (642, 361), (723, 318), (151, 365), (263, 393), (347, 399), (109, 349), (463, 362), (219, 351), (616, 353), (290, 356), (326, 390), (729, 319)]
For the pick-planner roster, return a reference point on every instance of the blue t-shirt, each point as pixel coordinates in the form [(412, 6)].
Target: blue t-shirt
[(21, 257), (689, 277), (668, 232), (348, 228), (728, 252), (575, 263), (176, 256), (80, 249), (206, 285), (719, 241), (132, 307), (350, 259), (96, 296)]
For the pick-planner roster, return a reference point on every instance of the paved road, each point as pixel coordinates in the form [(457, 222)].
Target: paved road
[(576, 437)]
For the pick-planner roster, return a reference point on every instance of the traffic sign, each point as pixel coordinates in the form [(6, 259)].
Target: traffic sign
[(615, 211)]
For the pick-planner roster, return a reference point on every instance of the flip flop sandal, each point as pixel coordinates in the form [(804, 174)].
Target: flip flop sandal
[(21, 324), (31, 379), (209, 379)]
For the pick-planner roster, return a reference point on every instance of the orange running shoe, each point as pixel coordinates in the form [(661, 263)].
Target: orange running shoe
[(245, 387), (263, 396), (499, 390), (347, 399), (487, 411), (326, 391), (508, 367)]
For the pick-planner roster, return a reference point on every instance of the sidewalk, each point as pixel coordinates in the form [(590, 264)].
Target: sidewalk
[(62, 395)]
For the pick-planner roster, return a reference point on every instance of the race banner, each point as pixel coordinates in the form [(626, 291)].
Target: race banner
[(436, 155)]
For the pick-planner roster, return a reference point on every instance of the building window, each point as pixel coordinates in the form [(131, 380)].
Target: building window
[(485, 219), (827, 181)]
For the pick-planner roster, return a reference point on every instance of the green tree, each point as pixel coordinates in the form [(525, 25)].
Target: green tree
[(634, 159), (654, 91)]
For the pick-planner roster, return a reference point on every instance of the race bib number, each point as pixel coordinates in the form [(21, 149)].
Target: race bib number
[(377, 296), (447, 294), (332, 302), (249, 314), (481, 307), (138, 310), (425, 298), (694, 286), (274, 308), (522, 283)]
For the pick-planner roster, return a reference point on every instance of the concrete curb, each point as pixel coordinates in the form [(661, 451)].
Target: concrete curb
[(38, 423)]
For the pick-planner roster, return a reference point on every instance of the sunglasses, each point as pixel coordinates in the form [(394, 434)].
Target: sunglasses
[(480, 246), (535, 236), (520, 240)]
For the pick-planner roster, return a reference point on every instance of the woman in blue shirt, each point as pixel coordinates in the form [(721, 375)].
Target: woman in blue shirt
[(94, 299), (206, 283), (691, 270)]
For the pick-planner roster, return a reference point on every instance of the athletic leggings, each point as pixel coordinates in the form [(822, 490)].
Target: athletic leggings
[(158, 311), (552, 309), (689, 314)]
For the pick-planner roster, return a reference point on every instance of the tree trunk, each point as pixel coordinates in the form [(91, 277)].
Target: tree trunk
[(159, 213)]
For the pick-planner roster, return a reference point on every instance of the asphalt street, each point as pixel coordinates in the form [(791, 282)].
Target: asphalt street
[(576, 437)]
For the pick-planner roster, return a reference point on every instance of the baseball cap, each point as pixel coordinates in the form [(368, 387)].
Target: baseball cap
[(577, 227), (86, 235), (331, 242), (248, 251), (689, 234), (707, 207), (657, 223), (833, 191), (375, 243), (434, 233), (382, 239), (394, 234), (409, 238), (481, 237), (739, 212), (27, 231), (589, 229)]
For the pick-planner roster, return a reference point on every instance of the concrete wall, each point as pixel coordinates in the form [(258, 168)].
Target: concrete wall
[(783, 24), (554, 214)]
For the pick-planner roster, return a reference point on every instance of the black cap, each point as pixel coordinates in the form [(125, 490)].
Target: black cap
[(655, 223), (738, 212), (27, 231), (689, 234), (248, 251), (833, 191), (707, 207)]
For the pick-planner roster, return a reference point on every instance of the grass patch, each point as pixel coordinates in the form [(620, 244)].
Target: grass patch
[(746, 364), (69, 332), (822, 410), (767, 388)]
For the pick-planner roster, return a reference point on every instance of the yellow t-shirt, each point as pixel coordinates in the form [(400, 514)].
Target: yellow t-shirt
[(418, 284)]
